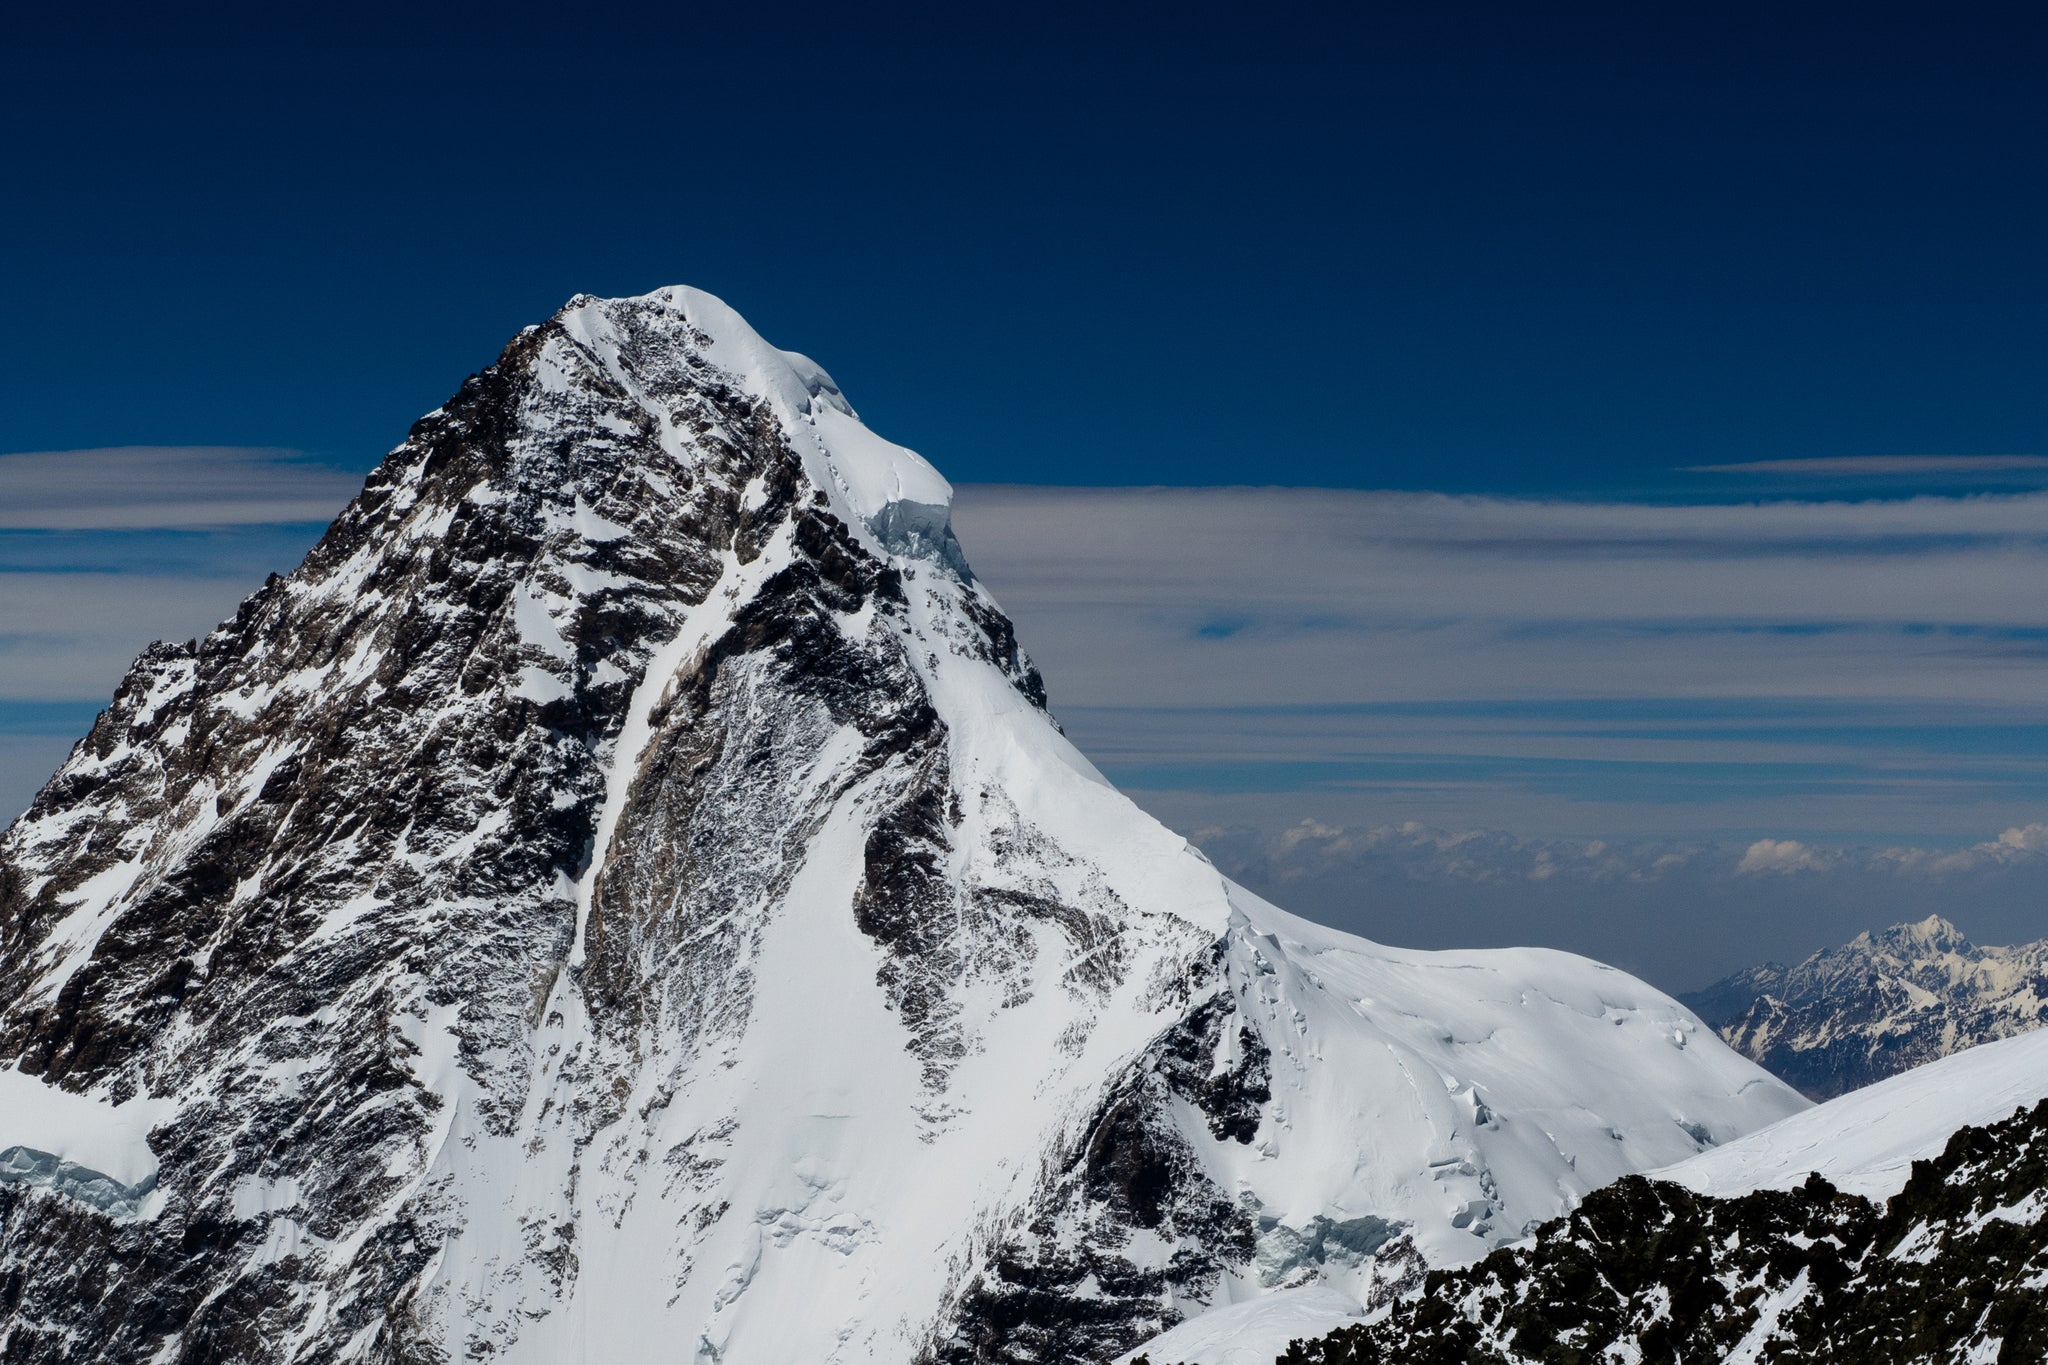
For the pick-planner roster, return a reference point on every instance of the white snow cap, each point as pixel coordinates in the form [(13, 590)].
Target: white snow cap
[(1256, 1332), (870, 475)]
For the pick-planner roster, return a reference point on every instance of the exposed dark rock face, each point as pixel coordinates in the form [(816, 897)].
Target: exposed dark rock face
[(1063, 1288), (1878, 1005), (354, 803), (1231, 1096), (1948, 1270)]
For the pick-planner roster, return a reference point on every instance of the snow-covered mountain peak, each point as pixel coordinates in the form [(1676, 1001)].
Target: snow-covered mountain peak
[(1931, 935), (1884, 1002), (871, 482), (623, 897)]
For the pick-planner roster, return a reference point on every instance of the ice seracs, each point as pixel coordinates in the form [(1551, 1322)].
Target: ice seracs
[(624, 897), (79, 1146)]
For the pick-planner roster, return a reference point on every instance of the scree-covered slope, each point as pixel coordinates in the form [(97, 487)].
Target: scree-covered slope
[(623, 898)]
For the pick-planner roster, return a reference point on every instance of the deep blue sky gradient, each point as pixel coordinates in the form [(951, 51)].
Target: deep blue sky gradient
[(1511, 248), (1555, 252)]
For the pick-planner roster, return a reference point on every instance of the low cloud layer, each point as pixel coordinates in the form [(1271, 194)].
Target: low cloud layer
[(1430, 853), (1682, 913), (1782, 856)]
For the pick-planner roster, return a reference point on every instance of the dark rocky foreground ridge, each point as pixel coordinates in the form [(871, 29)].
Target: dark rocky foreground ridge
[(1952, 1269), (1878, 1005), (623, 898)]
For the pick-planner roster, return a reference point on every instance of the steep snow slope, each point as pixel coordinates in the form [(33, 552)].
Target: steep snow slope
[(1256, 1332), (623, 898), (1865, 1142), (1881, 1004), (1469, 1095)]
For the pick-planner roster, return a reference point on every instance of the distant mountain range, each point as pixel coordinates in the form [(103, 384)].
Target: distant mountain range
[(1878, 1005)]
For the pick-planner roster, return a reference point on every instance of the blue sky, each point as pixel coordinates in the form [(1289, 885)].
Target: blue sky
[(1478, 247), (1594, 427)]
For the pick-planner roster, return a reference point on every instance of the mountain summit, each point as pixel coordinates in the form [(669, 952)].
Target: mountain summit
[(624, 898), (1878, 1005)]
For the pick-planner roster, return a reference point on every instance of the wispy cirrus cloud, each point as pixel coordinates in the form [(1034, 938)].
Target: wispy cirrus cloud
[(1808, 668), (135, 487), (1837, 696), (103, 551), (1680, 737), (71, 635), (1883, 466), (1235, 563)]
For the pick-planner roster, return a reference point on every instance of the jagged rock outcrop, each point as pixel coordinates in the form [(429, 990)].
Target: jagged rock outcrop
[(1878, 1005), (623, 898)]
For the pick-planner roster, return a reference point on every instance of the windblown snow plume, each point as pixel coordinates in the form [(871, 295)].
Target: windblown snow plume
[(623, 898)]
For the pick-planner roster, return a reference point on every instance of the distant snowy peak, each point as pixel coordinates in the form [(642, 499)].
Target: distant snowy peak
[(623, 897), (1878, 1005)]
